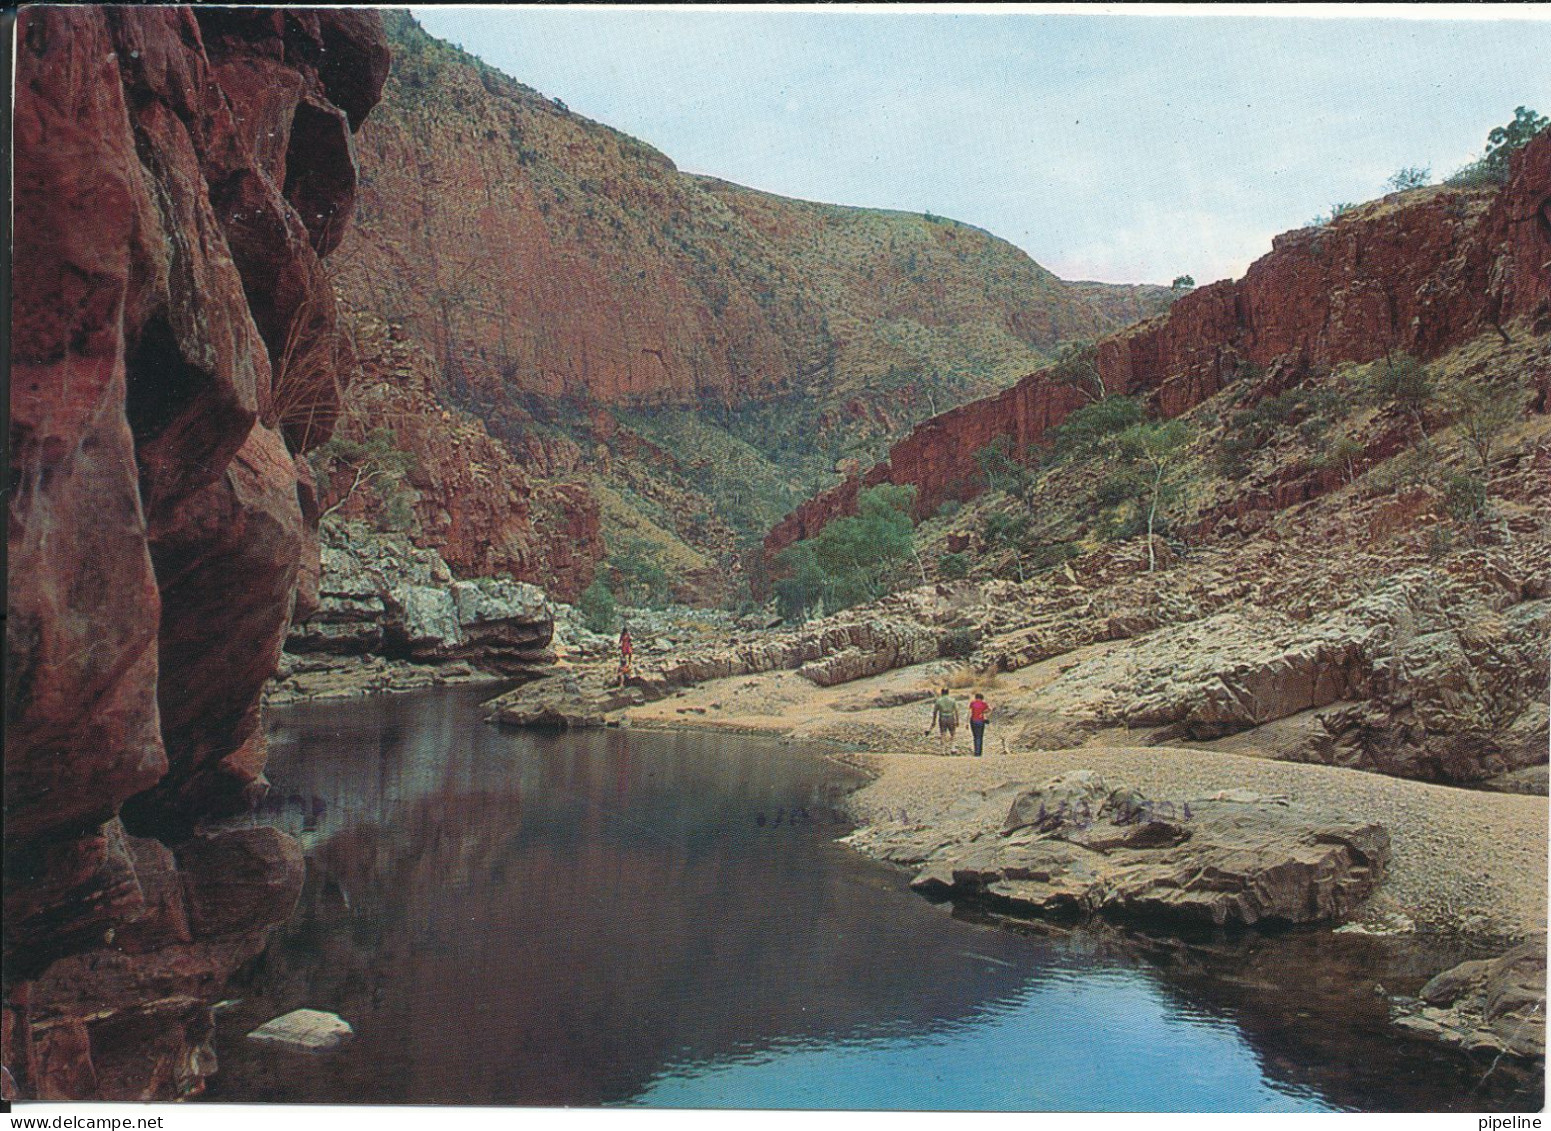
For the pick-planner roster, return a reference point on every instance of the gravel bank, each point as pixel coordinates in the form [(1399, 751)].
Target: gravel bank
[(1462, 860)]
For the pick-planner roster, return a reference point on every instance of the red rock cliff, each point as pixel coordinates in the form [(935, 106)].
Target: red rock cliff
[(557, 272), (178, 176), (1419, 272)]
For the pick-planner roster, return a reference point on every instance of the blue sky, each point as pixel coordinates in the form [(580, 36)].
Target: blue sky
[(1122, 147)]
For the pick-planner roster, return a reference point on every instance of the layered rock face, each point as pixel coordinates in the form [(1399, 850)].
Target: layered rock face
[(175, 346), (381, 595), (472, 500), (1417, 272), (1077, 845)]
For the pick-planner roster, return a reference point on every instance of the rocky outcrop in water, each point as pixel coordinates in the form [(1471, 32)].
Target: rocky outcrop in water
[(1077, 845), (179, 176), (561, 702), (1491, 1006), (378, 593)]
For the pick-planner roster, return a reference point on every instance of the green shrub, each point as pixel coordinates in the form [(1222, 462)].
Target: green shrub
[(953, 566), (1464, 496), (637, 577), (1118, 487), (1088, 427), (596, 605), (1051, 555), (345, 466), (1411, 177), (1403, 381), (949, 508), (1313, 430), (1439, 542), (851, 559)]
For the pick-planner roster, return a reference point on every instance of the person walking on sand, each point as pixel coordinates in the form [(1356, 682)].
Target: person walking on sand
[(945, 714), (979, 712), (626, 653)]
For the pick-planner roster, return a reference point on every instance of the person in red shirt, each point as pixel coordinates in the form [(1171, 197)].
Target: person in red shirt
[(626, 654), (979, 712)]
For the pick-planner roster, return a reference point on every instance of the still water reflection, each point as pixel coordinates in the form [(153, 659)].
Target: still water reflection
[(617, 917)]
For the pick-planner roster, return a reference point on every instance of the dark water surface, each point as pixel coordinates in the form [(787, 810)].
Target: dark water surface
[(642, 918)]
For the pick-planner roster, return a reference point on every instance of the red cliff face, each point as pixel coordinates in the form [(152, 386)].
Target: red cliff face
[(472, 501), (1420, 273), (174, 345)]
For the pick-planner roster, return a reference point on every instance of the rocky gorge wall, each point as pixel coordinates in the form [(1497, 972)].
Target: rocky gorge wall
[(468, 496), (1418, 272), (179, 176), (557, 276)]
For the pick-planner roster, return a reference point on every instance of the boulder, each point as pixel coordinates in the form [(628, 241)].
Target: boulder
[(560, 702), (1078, 845), (1495, 1006), (379, 594), (305, 1031), (239, 877)]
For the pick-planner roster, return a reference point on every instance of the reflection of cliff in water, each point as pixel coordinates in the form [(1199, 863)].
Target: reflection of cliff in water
[(611, 916), (1314, 1006), (520, 918)]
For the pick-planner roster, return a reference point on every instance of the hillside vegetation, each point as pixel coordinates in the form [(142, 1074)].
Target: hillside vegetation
[(592, 305)]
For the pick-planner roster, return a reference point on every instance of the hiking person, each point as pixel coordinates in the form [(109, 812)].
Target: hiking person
[(979, 712), (626, 653), (945, 714)]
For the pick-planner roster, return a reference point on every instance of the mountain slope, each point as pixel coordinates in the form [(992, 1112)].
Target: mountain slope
[(570, 283)]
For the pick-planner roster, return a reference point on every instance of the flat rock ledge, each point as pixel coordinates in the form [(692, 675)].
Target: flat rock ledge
[(304, 1030), (1492, 1006), (1077, 846), (560, 702)]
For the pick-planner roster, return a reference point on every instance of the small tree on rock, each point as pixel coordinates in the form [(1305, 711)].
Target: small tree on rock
[(1155, 448), (1411, 177), (348, 466)]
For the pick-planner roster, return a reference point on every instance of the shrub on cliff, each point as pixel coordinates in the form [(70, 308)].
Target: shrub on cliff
[(1085, 430), (1153, 454), (1483, 415), (1403, 381), (1491, 168), (1078, 365), (346, 468), (1005, 469), (953, 566), (852, 559), (1411, 177)]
